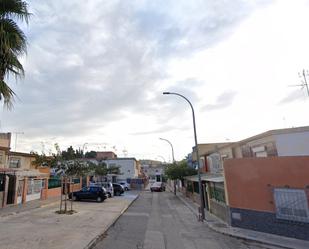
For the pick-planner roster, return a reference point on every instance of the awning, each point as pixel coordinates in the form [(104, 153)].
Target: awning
[(209, 177), (19, 172)]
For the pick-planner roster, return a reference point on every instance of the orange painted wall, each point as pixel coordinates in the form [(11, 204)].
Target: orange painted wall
[(45, 170), (53, 192), (249, 182)]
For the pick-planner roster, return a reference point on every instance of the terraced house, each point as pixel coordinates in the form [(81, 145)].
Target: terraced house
[(20, 181), (258, 183)]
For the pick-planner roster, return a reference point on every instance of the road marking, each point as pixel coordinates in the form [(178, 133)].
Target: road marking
[(136, 214)]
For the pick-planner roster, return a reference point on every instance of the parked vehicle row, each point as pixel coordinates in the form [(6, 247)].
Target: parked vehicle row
[(89, 193), (99, 191)]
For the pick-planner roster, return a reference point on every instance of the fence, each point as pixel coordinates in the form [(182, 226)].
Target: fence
[(54, 183), (217, 192)]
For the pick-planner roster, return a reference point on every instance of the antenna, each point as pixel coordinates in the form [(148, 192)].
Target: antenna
[(304, 83), (125, 152)]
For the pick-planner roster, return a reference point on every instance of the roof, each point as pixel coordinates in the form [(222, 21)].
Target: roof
[(15, 153), (276, 132), (121, 158), (4, 148), (205, 149), (214, 146)]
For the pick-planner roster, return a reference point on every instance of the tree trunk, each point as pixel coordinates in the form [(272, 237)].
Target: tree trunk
[(71, 190), (174, 187), (61, 194), (65, 193)]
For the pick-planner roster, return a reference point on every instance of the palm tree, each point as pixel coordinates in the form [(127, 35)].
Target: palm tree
[(12, 45)]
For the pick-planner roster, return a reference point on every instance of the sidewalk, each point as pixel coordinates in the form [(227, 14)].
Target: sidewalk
[(36, 225), (219, 226), (28, 206)]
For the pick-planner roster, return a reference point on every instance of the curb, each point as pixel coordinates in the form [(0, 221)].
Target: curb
[(248, 238), (98, 238)]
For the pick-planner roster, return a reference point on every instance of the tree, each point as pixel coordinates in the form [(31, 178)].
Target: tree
[(113, 170), (91, 154), (43, 160), (179, 171), (101, 169), (13, 43)]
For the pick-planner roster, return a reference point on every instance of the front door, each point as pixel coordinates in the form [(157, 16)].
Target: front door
[(20, 190), (11, 189)]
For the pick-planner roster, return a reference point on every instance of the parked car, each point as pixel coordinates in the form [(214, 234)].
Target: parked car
[(157, 186), (125, 185), (89, 193), (118, 189), (108, 186)]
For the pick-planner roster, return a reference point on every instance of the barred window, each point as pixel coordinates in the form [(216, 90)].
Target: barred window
[(291, 204), (15, 162), (246, 151)]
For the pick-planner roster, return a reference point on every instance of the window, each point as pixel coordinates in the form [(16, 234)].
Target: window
[(271, 149), (217, 191), (14, 162), (2, 158), (291, 204), (246, 151)]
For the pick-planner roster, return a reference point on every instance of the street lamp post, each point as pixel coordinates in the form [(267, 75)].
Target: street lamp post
[(171, 147), (84, 145), (197, 154)]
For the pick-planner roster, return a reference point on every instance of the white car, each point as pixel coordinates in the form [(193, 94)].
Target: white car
[(108, 187), (125, 185)]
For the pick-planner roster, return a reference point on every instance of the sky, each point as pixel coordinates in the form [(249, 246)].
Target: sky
[(96, 70)]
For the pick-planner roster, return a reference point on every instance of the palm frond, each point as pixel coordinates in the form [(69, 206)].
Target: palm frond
[(14, 8), (13, 43), (12, 37), (15, 67), (7, 95)]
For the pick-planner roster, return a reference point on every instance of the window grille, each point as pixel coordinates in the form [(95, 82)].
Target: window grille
[(14, 162), (291, 204)]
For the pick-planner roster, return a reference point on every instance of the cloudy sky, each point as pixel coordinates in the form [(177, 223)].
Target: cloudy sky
[(96, 70)]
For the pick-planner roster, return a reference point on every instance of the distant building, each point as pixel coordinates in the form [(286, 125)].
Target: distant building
[(153, 169), (128, 167), (104, 155)]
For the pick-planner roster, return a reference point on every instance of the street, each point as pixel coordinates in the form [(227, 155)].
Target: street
[(162, 221)]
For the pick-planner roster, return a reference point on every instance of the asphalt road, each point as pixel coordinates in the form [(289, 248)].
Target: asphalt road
[(162, 221)]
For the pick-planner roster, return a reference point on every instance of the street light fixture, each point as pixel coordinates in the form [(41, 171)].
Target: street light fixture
[(197, 154), (162, 158), (171, 147)]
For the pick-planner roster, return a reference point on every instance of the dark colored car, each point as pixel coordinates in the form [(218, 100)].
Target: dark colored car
[(158, 187), (89, 193), (118, 189)]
